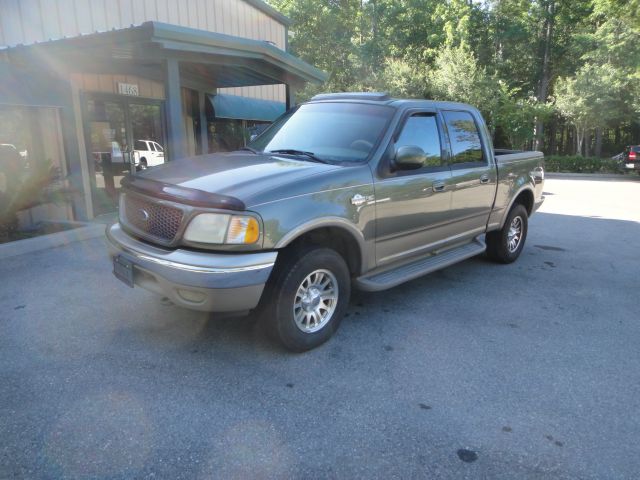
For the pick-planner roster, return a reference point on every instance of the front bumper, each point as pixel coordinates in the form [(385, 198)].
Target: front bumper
[(213, 282)]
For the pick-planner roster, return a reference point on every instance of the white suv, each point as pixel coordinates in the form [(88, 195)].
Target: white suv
[(147, 153)]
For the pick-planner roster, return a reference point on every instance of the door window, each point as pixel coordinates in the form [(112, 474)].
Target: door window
[(466, 147), (421, 130), (117, 128)]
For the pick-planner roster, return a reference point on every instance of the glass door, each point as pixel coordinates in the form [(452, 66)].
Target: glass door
[(123, 136), (108, 145)]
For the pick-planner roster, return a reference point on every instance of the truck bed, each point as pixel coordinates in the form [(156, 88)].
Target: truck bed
[(516, 168)]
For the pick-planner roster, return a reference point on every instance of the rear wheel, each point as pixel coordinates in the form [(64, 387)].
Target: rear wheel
[(307, 298), (505, 245)]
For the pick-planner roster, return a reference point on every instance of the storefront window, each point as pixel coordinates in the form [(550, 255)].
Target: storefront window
[(34, 192)]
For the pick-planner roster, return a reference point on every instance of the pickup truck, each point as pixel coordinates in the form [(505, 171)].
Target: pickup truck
[(347, 190)]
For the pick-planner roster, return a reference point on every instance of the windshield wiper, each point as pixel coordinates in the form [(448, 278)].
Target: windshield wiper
[(292, 151), (249, 149)]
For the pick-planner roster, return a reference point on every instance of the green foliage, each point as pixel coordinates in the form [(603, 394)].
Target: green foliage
[(27, 188), (578, 164), (521, 62), (592, 98), (457, 76), (516, 116), (403, 80)]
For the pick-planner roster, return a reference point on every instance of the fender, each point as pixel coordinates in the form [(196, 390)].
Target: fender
[(336, 222), (526, 187)]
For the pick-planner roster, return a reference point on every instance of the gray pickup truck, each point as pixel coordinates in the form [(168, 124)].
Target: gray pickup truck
[(347, 190)]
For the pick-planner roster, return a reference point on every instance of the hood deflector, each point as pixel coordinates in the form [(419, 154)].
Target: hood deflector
[(175, 193)]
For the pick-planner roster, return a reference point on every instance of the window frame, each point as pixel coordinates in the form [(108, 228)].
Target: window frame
[(386, 169), (483, 148)]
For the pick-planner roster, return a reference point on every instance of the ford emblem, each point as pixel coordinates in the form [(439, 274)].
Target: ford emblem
[(143, 214)]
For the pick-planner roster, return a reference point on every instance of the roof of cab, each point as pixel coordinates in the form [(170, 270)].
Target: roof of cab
[(385, 99)]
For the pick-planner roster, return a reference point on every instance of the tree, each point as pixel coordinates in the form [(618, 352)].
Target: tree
[(590, 99), (508, 57), (456, 76)]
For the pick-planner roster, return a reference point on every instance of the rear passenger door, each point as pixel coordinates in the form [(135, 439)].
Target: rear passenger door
[(473, 172), (412, 206)]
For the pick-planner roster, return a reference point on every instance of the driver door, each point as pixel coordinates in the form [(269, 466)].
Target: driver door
[(412, 206)]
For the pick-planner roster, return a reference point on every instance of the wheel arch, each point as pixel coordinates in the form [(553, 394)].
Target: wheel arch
[(525, 197), (336, 233)]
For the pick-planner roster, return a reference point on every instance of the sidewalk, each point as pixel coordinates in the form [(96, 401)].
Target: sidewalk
[(30, 245)]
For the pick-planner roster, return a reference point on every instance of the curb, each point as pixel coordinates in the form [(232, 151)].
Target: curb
[(594, 176), (52, 240)]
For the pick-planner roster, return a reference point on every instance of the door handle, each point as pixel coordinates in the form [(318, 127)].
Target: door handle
[(438, 187), (484, 179)]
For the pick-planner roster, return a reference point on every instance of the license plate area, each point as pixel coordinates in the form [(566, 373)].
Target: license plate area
[(123, 270)]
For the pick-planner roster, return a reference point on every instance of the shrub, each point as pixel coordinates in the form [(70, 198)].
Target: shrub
[(576, 164), (26, 187)]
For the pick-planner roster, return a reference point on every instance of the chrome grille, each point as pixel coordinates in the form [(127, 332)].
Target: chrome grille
[(154, 219)]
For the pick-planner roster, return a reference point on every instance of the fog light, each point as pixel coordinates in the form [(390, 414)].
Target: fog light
[(191, 295)]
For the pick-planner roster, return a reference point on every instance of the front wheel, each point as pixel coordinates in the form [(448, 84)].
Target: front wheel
[(505, 245), (307, 298)]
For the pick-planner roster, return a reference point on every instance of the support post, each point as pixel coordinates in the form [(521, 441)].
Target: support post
[(176, 134), (290, 96), (204, 133)]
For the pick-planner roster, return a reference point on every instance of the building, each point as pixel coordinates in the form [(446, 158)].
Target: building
[(92, 87)]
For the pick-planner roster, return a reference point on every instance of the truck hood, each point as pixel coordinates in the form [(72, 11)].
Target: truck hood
[(245, 176)]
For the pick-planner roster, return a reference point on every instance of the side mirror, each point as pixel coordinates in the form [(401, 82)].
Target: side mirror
[(410, 157)]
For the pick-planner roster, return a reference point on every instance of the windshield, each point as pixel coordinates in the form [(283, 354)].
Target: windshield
[(333, 132)]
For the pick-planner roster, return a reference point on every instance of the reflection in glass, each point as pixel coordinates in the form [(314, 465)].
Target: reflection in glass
[(422, 131), (146, 128), (109, 149), (340, 132), (35, 195), (121, 133), (464, 136)]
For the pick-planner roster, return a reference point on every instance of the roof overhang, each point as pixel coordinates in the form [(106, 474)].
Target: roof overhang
[(244, 61)]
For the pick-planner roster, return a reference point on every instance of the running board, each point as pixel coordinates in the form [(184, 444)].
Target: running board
[(389, 278)]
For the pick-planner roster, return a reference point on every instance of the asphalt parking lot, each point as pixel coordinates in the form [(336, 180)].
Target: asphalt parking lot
[(530, 370)]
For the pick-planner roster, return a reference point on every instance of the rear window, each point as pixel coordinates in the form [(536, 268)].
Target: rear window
[(464, 136), (140, 145)]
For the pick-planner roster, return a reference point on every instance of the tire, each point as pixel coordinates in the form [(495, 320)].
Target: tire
[(300, 279), (505, 245), (143, 163)]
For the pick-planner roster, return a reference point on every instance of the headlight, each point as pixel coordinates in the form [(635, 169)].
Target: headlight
[(218, 228)]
